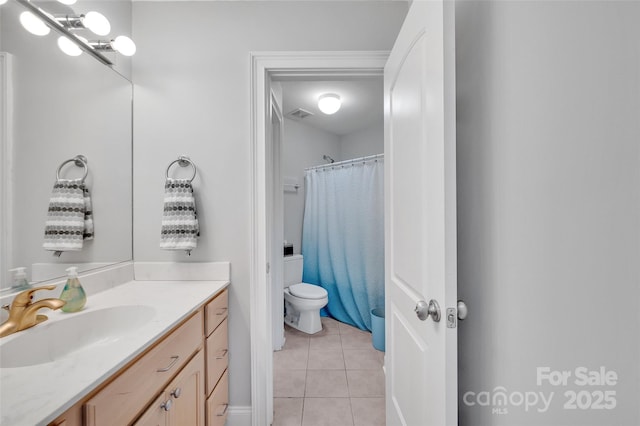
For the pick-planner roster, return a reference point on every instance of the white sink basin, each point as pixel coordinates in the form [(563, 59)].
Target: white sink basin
[(51, 340)]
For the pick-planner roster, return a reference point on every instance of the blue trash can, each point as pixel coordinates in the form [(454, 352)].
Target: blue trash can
[(377, 328)]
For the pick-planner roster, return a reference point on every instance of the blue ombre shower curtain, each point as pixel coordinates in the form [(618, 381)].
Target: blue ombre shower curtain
[(343, 238)]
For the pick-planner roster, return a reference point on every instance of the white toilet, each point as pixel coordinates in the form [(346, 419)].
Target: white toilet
[(302, 301)]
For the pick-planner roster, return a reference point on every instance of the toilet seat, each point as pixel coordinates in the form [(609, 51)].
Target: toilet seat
[(307, 291)]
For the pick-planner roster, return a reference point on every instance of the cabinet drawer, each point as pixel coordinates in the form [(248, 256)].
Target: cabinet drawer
[(120, 401), (218, 403), (217, 355), (216, 311)]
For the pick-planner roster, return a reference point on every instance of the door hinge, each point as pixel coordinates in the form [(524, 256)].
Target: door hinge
[(268, 267)]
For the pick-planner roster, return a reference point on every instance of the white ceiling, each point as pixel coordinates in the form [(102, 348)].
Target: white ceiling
[(362, 103)]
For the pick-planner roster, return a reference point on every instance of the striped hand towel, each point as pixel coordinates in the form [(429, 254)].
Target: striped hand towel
[(69, 218), (180, 228)]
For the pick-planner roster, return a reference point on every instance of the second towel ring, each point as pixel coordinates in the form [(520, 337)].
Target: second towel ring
[(183, 161), (80, 161)]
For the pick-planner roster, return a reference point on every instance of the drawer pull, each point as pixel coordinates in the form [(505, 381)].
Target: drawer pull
[(222, 354), (221, 311), (166, 406), (168, 367), (222, 410), (176, 393)]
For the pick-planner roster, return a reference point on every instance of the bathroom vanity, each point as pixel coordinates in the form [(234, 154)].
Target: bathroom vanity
[(163, 360)]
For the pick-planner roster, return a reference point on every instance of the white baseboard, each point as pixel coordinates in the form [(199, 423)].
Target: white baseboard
[(239, 416)]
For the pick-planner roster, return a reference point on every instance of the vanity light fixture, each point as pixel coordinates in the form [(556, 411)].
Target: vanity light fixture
[(94, 21), (39, 22), (329, 103), (121, 44), (69, 47), (33, 24)]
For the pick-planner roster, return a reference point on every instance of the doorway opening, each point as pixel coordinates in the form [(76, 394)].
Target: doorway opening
[(332, 173), (266, 255)]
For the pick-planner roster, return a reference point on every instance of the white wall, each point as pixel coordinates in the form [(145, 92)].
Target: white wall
[(192, 97), (549, 203), (368, 141), (303, 146)]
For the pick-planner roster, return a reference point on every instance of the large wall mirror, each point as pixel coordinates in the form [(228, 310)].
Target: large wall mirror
[(54, 107)]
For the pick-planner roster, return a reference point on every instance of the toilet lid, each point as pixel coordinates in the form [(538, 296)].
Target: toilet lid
[(307, 291)]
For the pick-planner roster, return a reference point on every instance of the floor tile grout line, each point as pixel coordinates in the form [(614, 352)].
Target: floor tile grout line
[(302, 413)]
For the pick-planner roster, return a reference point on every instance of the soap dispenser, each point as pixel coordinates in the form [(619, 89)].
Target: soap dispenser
[(20, 279), (73, 293)]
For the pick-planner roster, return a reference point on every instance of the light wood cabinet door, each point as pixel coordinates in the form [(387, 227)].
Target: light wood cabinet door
[(182, 401), (156, 414), (187, 394)]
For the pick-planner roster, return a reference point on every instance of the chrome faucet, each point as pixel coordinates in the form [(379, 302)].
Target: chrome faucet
[(23, 314)]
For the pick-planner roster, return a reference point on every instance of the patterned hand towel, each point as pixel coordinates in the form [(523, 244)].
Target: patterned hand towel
[(69, 219), (180, 228)]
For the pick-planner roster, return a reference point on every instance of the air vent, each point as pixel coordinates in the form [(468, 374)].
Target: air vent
[(299, 113)]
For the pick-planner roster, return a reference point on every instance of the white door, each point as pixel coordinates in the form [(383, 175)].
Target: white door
[(420, 218)]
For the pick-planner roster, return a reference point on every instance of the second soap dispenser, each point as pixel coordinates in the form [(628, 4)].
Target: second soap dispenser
[(20, 279), (73, 293)]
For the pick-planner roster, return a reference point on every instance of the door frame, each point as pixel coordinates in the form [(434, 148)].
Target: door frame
[(266, 66)]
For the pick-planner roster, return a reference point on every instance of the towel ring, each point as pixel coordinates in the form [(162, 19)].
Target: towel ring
[(183, 161), (80, 161)]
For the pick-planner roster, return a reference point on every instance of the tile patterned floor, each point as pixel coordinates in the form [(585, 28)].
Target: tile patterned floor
[(333, 377)]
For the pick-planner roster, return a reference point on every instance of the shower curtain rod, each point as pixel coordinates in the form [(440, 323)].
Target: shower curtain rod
[(346, 162)]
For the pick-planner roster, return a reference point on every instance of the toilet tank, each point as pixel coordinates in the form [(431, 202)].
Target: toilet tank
[(293, 269)]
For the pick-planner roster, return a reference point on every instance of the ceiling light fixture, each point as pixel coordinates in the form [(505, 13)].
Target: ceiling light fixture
[(329, 103), (67, 2)]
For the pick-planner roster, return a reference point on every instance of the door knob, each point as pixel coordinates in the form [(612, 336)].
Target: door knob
[(424, 310), (463, 311)]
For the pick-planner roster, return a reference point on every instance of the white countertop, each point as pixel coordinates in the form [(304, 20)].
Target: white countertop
[(37, 394)]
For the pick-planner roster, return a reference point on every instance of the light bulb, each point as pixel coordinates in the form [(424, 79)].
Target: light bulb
[(67, 2), (124, 45), (97, 22), (69, 47), (329, 103), (33, 24)]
